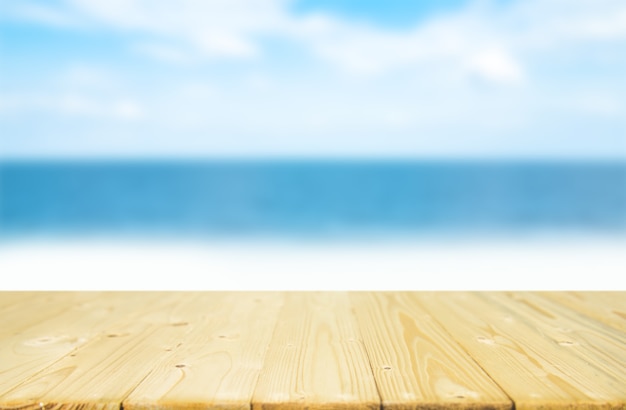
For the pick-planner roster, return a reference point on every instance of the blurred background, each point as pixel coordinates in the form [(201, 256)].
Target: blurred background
[(312, 122)]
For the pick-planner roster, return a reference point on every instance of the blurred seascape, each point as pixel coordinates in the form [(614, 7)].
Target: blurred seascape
[(310, 200), (313, 144)]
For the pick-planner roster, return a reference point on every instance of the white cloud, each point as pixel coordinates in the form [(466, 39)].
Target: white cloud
[(612, 27), (184, 29), (216, 28), (496, 66), (71, 105), (37, 12), (127, 109), (80, 76), (225, 44), (367, 50), (410, 91), (79, 91), (595, 103), (163, 52)]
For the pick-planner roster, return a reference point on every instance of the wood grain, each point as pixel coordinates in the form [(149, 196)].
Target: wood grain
[(607, 307), (415, 362), (95, 354), (217, 362), (313, 350), (30, 345), (533, 370), (593, 342), (30, 308), (316, 358)]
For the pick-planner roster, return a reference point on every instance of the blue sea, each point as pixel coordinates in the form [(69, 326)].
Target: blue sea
[(311, 199)]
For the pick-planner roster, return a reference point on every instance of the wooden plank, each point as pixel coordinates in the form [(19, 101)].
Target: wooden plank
[(533, 370), (593, 342), (415, 362), (8, 298), (316, 359), (31, 308), (25, 350), (217, 362), (326, 350), (607, 307), (29, 352), (102, 372)]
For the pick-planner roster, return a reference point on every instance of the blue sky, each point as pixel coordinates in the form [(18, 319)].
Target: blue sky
[(453, 78)]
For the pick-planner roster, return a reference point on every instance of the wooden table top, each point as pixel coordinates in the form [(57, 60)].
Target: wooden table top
[(315, 350)]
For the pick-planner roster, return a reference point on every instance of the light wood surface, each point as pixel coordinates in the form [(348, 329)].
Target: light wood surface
[(31, 308), (83, 354), (12, 299), (34, 339), (606, 307), (535, 370), (316, 357), (593, 342), (313, 350), (414, 361), (216, 362)]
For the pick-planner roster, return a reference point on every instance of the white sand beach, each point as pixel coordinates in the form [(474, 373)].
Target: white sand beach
[(539, 264)]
